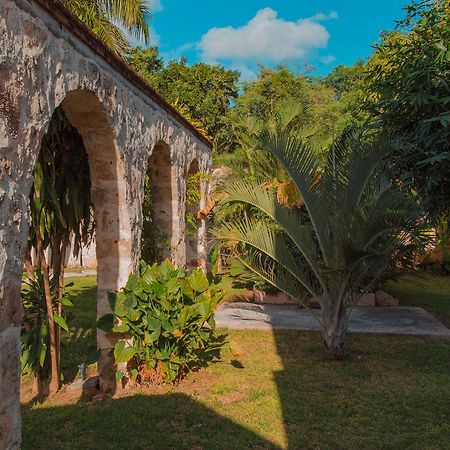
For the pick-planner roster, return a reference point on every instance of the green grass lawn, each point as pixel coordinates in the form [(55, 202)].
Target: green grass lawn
[(392, 393)]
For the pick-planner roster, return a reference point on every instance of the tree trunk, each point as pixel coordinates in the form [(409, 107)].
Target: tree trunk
[(54, 382), (29, 263), (58, 273), (334, 327)]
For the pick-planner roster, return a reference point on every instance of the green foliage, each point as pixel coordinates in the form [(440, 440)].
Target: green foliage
[(109, 18), (152, 238), (60, 207), (408, 91), (277, 91), (443, 240), (273, 87), (60, 199), (193, 197), (34, 333), (165, 318), (202, 92), (147, 62)]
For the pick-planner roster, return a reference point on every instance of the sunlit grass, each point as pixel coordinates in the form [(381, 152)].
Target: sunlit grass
[(281, 392)]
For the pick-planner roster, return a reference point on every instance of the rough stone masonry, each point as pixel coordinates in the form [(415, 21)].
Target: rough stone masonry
[(49, 59)]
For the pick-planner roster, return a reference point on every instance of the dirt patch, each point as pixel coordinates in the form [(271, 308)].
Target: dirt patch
[(196, 383)]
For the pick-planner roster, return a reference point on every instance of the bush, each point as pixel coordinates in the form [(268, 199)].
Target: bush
[(35, 357), (165, 318)]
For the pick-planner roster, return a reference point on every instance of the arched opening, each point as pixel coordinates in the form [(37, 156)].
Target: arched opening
[(102, 179), (61, 213), (193, 220), (112, 221), (160, 207)]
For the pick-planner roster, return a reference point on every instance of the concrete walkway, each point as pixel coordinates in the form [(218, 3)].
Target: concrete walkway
[(402, 320), (83, 273)]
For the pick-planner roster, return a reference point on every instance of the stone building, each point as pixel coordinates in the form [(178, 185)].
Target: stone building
[(49, 59)]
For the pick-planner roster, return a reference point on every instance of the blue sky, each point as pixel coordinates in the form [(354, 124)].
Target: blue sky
[(244, 33)]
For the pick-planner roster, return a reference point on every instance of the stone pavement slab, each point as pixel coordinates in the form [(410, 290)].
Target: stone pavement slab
[(83, 273), (363, 319)]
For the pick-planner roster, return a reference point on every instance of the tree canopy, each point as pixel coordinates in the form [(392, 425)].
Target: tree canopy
[(408, 92)]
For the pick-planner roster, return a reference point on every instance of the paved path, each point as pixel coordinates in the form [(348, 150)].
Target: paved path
[(402, 320), (83, 273)]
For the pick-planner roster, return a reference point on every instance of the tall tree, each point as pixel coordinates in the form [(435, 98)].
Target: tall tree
[(408, 91), (111, 20), (203, 93), (319, 115)]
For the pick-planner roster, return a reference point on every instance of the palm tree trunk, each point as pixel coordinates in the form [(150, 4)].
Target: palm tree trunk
[(57, 263), (54, 382), (29, 263), (334, 327)]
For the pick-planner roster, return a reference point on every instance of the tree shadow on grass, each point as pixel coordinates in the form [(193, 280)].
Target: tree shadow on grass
[(169, 421)]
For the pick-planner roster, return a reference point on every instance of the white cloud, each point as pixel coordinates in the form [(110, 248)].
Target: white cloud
[(247, 73), (320, 17), (178, 52), (266, 38), (154, 6), (328, 59)]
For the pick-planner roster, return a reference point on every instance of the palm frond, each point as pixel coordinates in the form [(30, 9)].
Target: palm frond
[(273, 244), (288, 219), (303, 166)]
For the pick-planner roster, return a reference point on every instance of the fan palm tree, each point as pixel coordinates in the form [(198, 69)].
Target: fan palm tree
[(110, 20), (355, 228)]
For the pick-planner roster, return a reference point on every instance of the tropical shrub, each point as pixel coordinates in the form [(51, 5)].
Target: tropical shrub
[(165, 321), (354, 228), (35, 336)]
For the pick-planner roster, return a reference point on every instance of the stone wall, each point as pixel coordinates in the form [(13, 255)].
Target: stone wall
[(44, 63)]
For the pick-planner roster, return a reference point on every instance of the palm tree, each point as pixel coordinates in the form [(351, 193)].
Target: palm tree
[(351, 231), (110, 20)]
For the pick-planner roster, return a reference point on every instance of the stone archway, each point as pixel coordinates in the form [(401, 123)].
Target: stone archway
[(165, 199), (49, 59), (112, 222), (193, 197), (195, 223)]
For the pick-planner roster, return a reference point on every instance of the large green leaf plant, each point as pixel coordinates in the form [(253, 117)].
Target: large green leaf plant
[(165, 323)]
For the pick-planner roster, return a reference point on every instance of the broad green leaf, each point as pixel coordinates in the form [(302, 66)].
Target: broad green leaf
[(198, 281), (122, 328), (42, 355), (122, 353), (158, 288), (133, 314), (60, 321), (66, 302)]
